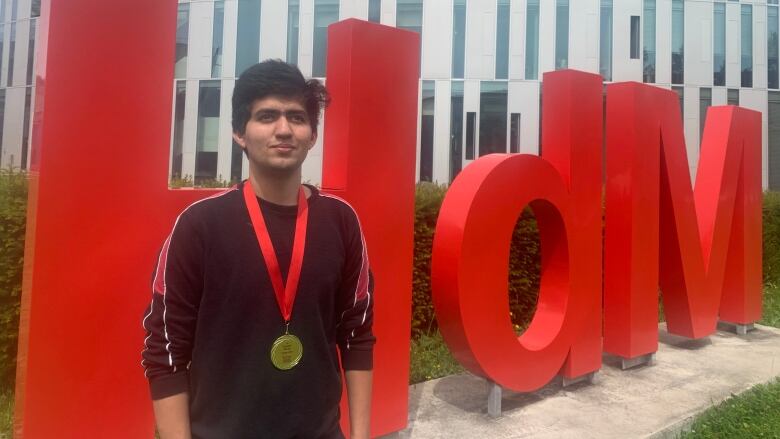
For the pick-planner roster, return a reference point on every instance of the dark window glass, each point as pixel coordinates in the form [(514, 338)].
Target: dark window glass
[(502, 40), (236, 158), (182, 34), (409, 17), (247, 35), (2, 118), (492, 117), (648, 42), (426, 130), (532, 40), (326, 12), (458, 37), (178, 129), (733, 97), (374, 10), (514, 133), (456, 129), (681, 94), (216, 39), (14, 9), (705, 101), (634, 37), (471, 133), (774, 140), (562, 34), (11, 52), (772, 47), (678, 41), (35, 8), (207, 140), (293, 11), (719, 44), (26, 127), (31, 52), (2, 46), (605, 40), (746, 29)]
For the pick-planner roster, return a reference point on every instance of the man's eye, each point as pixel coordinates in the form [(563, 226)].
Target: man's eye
[(266, 117), (297, 118)]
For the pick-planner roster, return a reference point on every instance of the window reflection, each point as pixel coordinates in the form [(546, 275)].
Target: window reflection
[(648, 41), (502, 39), (747, 45), (532, 40), (562, 34), (207, 140), (182, 34), (248, 35), (458, 37), (178, 129), (456, 129), (678, 41), (492, 117), (772, 47), (719, 44), (426, 130), (293, 11), (326, 12), (216, 40)]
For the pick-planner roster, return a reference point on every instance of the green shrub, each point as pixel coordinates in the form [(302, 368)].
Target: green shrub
[(430, 359), (13, 207), (771, 239)]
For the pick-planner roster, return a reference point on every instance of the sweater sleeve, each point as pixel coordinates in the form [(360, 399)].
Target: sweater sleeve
[(356, 301), (169, 321)]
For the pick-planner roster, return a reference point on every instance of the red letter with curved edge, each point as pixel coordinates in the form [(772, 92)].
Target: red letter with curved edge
[(473, 233), (99, 207), (702, 246), (369, 159)]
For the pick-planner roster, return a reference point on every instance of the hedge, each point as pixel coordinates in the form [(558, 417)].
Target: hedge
[(523, 265)]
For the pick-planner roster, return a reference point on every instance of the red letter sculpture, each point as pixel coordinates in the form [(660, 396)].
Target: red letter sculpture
[(702, 246), (471, 247)]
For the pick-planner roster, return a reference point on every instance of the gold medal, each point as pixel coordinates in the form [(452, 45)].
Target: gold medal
[(286, 352)]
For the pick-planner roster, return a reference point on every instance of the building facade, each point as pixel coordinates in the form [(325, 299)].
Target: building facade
[(481, 66)]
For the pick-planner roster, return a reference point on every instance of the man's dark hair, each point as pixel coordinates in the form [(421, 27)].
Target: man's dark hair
[(274, 77)]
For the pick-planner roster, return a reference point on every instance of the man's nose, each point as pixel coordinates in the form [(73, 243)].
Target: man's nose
[(283, 128)]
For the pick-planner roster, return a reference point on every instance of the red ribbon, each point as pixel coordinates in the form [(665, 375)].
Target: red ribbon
[(285, 294)]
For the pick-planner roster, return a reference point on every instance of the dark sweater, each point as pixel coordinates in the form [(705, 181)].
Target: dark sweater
[(214, 317)]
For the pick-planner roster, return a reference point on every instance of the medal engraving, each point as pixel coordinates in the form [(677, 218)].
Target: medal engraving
[(286, 352)]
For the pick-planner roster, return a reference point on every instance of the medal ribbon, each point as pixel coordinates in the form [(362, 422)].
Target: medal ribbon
[(285, 294)]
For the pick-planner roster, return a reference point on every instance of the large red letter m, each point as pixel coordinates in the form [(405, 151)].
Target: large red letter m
[(702, 246)]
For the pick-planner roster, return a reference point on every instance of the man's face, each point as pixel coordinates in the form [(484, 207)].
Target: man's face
[(278, 135)]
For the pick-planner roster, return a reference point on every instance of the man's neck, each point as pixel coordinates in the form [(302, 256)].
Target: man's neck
[(277, 189)]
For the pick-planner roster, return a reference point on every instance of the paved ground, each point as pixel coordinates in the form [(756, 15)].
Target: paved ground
[(653, 401)]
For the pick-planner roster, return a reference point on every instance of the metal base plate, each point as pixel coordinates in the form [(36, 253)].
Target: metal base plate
[(628, 363), (494, 399), (588, 377)]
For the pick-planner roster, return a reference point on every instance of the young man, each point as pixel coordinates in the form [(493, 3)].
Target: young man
[(255, 287)]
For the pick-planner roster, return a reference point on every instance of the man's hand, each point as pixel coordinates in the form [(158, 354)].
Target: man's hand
[(173, 416), (359, 396)]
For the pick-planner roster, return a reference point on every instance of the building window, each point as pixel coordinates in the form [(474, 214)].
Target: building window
[(681, 95), (648, 42), (31, 52), (772, 46), (35, 8), (26, 127), (705, 101), (634, 50), (326, 12), (719, 44), (236, 162), (774, 140), (207, 140), (678, 41), (492, 117), (178, 129), (458, 38), (11, 51), (374, 10), (514, 133), (409, 17), (293, 11), (14, 9), (426, 130), (2, 118), (605, 40), (746, 29), (456, 129), (562, 34), (216, 39), (502, 39), (732, 97), (247, 35), (471, 134), (182, 34), (532, 40)]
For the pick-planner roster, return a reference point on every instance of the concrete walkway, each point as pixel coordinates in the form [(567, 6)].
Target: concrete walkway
[(654, 401)]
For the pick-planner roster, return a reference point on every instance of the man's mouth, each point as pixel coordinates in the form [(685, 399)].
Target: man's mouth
[(284, 147)]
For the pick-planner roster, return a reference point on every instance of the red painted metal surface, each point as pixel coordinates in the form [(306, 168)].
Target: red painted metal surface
[(471, 247), (369, 159), (702, 246), (100, 208)]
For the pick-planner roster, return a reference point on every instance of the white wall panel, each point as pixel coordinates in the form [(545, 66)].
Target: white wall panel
[(306, 37), (757, 100), (663, 41), (24, 9), (517, 39), (190, 128), (12, 127), (698, 43), (273, 30), (6, 54), (312, 166), (470, 105), (200, 39), (441, 132), (229, 39), (719, 96), (437, 40), (623, 67), (20, 53), (733, 48), (474, 35), (523, 98), (546, 37), (759, 46), (584, 35), (387, 11), (354, 9)]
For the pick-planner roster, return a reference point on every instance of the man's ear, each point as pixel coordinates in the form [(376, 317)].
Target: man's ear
[(239, 138), (313, 139)]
